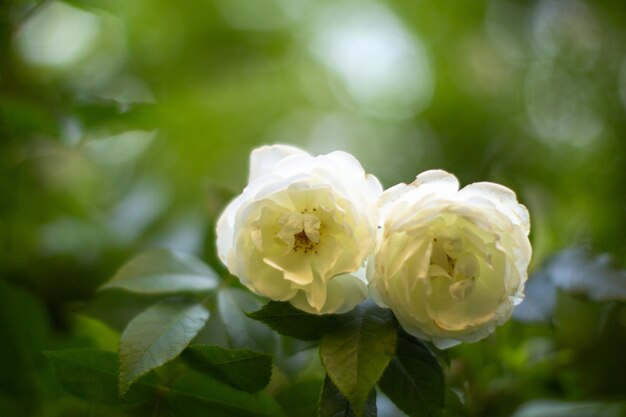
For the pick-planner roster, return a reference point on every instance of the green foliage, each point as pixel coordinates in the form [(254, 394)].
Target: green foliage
[(156, 336), (301, 399), (242, 368), (195, 394), (242, 331), (413, 380), (162, 271), (289, 321), (92, 374), (95, 331), (140, 138), (357, 350), (334, 404), (26, 331)]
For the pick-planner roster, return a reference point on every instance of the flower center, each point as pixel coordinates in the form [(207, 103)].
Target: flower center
[(300, 231), (455, 265)]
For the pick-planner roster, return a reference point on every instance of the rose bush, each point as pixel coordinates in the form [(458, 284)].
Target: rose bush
[(450, 263), (302, 229)]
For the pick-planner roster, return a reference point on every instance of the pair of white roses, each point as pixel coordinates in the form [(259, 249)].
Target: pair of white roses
[(451, 264)]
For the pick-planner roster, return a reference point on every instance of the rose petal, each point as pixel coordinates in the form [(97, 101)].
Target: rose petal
[(263, 160)]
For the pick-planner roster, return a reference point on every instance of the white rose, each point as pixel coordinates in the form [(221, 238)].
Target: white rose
[(302, 229), (450, 263)]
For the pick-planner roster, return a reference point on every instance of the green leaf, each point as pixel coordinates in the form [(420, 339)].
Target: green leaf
[(334, 404), (243, 332), (163, 271), (156, 336), (454, 407), (98, 333), (25, 331), (289, 321), (357, 350), (414, 381), (301, 399), (195, 394), (244, 369), (91, 374)]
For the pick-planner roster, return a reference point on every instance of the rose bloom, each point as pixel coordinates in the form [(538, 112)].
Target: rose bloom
[(451, 264), (302, 229)]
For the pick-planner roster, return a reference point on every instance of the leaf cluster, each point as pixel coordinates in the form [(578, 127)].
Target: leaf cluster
[(157, 363)]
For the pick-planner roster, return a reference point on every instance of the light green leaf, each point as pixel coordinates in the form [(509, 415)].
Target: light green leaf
[(163, 271), (91, 374), (289, 321), (414, 381), (98, 333), (242, 331), (357, 350), (195, 394), (244, 369), (333, 404), (156, 336)]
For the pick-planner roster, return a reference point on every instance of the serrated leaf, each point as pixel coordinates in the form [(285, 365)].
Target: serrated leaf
[(334, 404), (414, 381), (195, 394), (164, 271), (242, 331), (156, 336), (244, 369), (357, 350), (91, 374), (289, 321)]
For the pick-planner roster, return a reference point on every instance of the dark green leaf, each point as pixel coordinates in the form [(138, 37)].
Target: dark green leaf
[(357, 350), (242, 331), (195, 394), (413, 380), (454, 407), (244, 369), (334, 404), (301, 399), (289, 321), (91, 374), (163, 271), (157, 336), (578, 322), (25, 331)]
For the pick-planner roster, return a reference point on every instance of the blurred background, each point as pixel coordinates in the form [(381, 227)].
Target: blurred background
[(127, 124)]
